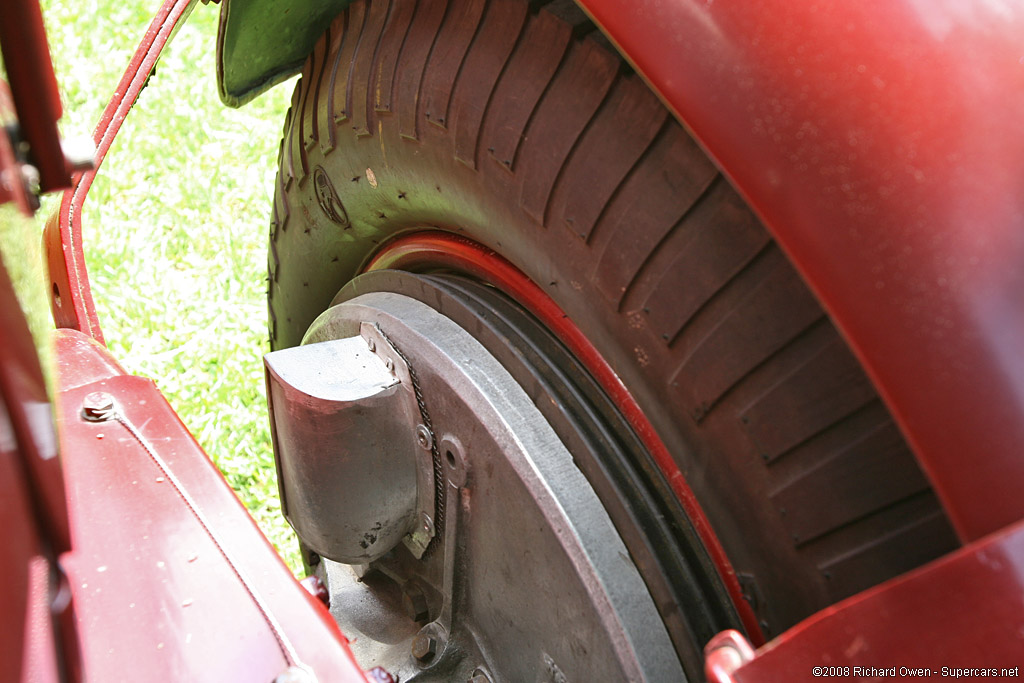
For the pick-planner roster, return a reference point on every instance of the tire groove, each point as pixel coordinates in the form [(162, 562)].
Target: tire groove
[(568, 105), (655, 197), (600, 220), (560, 174), (281, 210), (458, 30), (513, 159), (328, 131), (412, 63), (396, 29), (770, 420), (298, 144), (847, 484), (531, 67), (287, 151), (758, 316), (776, 460), (761, 255), (311, 112), (906, 535), (358, 29), (622, 131), (341, 83), (275, 261), (707, 409), (363, 61), (486, 61), (656, 248), (889, 510)]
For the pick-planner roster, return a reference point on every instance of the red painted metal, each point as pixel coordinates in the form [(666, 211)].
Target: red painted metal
[(34, 88), (960, 612), (71, 303), (439, 249), (30, 417), (725, 653), (38, 642), (11, 187), (26, 648), (169, 573), (881, 142)]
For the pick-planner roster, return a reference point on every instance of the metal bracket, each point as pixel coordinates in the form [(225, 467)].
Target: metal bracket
[(378, 343), (343, 418)]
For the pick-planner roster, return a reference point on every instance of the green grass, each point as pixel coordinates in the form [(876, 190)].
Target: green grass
[(175, 231)]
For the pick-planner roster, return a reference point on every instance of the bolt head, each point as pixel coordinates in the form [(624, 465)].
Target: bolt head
[(97, 406), (424, 647), (414, 602)]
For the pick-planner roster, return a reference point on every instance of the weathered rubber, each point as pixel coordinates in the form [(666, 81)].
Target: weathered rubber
[(520, 129)]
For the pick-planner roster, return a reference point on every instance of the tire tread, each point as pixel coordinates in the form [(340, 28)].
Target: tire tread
[(643, 242)]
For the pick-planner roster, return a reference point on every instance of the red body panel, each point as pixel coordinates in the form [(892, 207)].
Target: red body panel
[(38, 636), (171, 578), (882, 144), (890, 631)]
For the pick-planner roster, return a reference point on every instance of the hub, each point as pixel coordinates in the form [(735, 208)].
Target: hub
[(492, 557)]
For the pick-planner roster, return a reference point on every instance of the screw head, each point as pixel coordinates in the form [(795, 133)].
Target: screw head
[(424, 438), (428, 524), (97, 406), (424, 647)]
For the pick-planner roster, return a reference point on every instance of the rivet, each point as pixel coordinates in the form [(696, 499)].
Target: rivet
[(424, 438)]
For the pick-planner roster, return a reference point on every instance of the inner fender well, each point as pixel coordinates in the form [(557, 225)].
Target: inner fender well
[(263, 42)]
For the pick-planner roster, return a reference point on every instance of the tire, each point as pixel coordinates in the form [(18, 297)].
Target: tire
[(520, 129)]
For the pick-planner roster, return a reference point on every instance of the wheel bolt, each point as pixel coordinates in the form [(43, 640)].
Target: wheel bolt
[(415, 603), (424, 647)]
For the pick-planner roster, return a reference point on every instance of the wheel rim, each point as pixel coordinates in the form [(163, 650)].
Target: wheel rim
[(511, 492), (428, 250)]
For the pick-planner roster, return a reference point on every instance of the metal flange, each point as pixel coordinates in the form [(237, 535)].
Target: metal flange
[(531, 581)]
